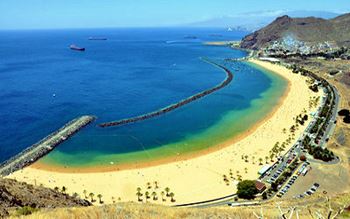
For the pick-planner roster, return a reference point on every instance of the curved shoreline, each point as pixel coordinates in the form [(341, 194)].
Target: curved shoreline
[(228, 79), (199, 168), (179, 157)]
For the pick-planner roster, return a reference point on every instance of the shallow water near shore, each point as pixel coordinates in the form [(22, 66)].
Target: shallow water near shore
[(133, 72)]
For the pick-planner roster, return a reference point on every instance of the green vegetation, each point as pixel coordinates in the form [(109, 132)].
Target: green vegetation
[(26, 210), (246, 189), (302, 119), (151, 193), (321, 153), (91, 195), (317, 152), (314, 88), (334, 72), (284, 176), (346, 114), (99, 196)]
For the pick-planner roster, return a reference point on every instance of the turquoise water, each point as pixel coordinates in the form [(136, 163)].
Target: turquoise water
[(134, 72)]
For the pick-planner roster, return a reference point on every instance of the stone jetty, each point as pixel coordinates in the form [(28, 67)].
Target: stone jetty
[(228, 79), (44, 146)]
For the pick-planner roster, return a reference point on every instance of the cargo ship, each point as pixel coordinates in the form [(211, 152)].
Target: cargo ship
[(97, 38), (74, 47)]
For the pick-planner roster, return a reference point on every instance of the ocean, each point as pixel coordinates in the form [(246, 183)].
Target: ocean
[(44, 84)]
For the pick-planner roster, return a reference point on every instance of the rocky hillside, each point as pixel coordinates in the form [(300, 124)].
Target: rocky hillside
[(313, 207), (310, 29), (17, 195)]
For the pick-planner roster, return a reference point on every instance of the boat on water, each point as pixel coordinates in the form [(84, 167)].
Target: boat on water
[(97, 38), (190, 37), (74, 47)]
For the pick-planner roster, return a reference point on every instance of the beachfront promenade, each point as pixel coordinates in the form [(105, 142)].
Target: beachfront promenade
[(228, 79), (44, 146)]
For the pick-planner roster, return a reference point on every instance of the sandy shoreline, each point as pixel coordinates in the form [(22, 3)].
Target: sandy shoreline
[(193, 177)]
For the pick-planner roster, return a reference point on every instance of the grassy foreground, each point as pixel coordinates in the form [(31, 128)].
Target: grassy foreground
[(307, 208)]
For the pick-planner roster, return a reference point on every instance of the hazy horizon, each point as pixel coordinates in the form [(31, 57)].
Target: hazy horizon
[(65, 14)]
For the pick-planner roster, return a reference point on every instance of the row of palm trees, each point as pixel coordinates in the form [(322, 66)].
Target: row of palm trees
[(155, 183), (231, 176), (313, 102), (91, 195), (153, 195), (87, 195), (76, 195), (278, 148), (260, 160)]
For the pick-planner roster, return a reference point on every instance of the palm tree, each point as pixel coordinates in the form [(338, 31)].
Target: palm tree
[(75, 195), (154, 195), (253, 158), (246, 158), (292, 129), (149, 185), (85, 192), (113, 199), (172, 196), (267, 159), (246, 170), (284, 130), (64, 189), (260, 161), (156, 184), (271, 156), (283, 145), (162, 194), (56, 189), (167, 189), (139, 194), (138, 189), (147, 195), (91, 195), (99, 196)]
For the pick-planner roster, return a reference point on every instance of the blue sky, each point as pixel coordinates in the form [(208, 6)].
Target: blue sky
[(41, 14)]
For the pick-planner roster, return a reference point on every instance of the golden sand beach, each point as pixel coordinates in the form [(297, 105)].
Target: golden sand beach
[(201, 177)]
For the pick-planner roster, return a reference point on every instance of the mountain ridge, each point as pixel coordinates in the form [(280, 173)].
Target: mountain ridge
[(256, 20), (309, 29)]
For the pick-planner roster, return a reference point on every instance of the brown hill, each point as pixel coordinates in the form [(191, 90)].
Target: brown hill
[(310, 29), (15, 195), (311, 207)]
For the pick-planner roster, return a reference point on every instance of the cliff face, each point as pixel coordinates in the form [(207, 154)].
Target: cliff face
[(311, 29), (15, 194)]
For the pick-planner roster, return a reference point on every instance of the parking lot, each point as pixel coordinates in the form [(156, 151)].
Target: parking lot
[(332, 179)]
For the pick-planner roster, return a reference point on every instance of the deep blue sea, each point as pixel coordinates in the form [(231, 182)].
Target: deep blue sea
[(44, 84)]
